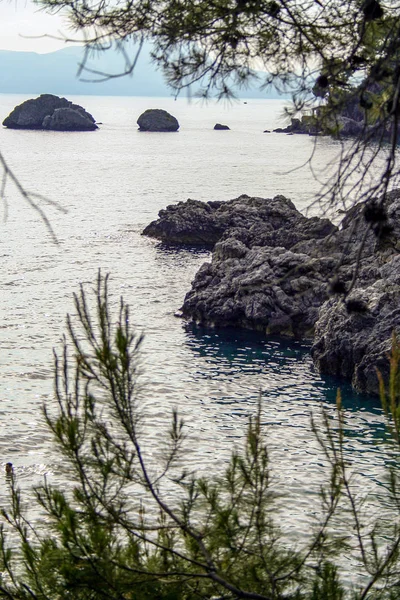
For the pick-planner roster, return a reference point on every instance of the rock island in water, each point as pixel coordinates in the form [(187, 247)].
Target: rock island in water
[(52, 113)]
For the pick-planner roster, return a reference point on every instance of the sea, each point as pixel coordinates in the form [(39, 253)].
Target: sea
[(98, 191)]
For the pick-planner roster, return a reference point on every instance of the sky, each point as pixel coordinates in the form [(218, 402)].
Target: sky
[(23, 27)]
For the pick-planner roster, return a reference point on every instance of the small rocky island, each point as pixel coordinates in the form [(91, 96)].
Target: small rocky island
[(52, 113), (220, 127), (156, 119), (276, 271)]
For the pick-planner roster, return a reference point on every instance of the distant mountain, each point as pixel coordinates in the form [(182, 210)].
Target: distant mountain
[(57, 73)]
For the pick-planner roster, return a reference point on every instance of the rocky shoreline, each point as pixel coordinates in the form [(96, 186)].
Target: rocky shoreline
[(277, 271)]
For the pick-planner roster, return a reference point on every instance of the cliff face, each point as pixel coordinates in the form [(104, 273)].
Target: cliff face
[(276, 271)]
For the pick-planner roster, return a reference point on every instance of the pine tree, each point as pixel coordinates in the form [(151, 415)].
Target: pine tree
[(126, 528)]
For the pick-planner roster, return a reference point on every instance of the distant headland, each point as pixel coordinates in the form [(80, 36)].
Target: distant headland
[(59, 73)]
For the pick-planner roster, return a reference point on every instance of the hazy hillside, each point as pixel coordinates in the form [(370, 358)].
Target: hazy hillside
[(56, 73)]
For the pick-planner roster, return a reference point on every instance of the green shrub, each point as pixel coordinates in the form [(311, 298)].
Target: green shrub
[(117, 534)]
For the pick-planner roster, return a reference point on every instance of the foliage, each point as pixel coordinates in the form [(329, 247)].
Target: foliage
[(225, 38), (116, 533)]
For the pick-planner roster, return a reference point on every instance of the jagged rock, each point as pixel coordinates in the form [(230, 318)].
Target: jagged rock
[(220, 127), (257, 278), (203, 223), (353, 334), (274, 270), (353, 337), (155, 119), (262, 288), (50, 112), (191, 222), (267, 274)]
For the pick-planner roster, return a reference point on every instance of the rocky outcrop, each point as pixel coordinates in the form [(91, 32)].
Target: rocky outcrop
[(353, 333), (155, 119), (308, 124), (343, 126), (197, 223), (276, 271), (263, 274), (192, 223), (262, 288), (269, 273), (353, 337), (220, 127), (50, 112)]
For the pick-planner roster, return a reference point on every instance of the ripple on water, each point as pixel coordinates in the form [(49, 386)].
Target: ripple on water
[(214, 377)]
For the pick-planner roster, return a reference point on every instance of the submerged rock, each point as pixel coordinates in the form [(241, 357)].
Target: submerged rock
[(155, 119), (274, 270), (50, 112)]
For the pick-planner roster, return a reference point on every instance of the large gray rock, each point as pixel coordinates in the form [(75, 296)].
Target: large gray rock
[(50, 112), (353, 337), (203, 223), (155, 119), (268, 273), (273, 290), (264, 273), (276, 271), (67, 119), (191, 222), (353, 334)]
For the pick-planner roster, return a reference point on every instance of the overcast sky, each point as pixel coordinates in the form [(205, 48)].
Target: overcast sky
[(21, 21)]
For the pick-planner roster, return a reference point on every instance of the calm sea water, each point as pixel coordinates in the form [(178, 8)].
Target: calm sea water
[(112, 183)]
